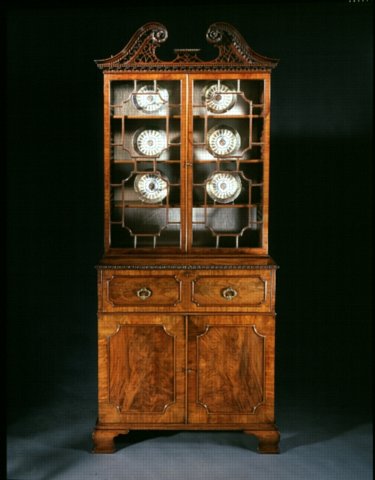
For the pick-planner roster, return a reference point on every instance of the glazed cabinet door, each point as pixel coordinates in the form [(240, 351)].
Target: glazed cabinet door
[(229, 152), (145, 146), (141, 369), (230, 369)]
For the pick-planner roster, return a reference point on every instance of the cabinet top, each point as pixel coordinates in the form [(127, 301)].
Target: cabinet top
[(140, 53)]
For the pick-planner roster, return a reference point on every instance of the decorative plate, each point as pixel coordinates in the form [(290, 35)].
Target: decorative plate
[(150, 187), (150, 100), (218, 99), (224, 187), (150, 142), (223, 140)]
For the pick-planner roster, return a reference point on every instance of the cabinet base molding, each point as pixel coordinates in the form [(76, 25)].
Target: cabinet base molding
[(103, 436)]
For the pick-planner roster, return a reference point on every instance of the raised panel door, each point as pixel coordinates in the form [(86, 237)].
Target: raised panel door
[(141, 369), (230, 377)]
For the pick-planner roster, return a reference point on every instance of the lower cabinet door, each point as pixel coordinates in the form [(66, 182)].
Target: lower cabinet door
[(231, 369), (141, 369)]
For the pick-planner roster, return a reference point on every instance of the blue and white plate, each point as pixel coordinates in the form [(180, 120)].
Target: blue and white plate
[(150, 142), (150, 100), (224, 187), (151, 187)]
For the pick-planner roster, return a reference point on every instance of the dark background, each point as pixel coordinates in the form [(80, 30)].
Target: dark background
[(319, 195)]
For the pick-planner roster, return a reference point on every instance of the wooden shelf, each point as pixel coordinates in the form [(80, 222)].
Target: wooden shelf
[(228, 160), (227, 205), (223, 115), (144, 159), (255, 105), (145, 117), (135, 204)]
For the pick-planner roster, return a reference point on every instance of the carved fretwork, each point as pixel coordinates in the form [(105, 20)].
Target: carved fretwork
[(140, 53)]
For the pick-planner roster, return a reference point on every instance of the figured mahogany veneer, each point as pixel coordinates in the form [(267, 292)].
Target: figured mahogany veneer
[(187, 370), (140, 291), (232, 291), (140, 363), (186, 288), (188, 291)]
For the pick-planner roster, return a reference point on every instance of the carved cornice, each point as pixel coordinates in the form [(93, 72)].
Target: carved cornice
[(140, 53), (186, 267)]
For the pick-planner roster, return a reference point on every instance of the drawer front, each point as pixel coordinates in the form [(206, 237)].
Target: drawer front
[(139, 292), (232, 292)]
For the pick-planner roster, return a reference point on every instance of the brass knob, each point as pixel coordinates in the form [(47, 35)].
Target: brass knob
[(144, 293), (229, 293)]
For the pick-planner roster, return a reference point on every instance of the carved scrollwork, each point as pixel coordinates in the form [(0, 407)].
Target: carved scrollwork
[(140, 53), (140, 49), (233, 47), (214, 34), (159, 33)]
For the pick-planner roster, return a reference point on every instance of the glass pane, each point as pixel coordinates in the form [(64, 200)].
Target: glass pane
[(145, 163), (228, 121)]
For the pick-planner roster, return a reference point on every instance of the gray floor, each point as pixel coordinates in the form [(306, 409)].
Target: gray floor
[(53, 442)]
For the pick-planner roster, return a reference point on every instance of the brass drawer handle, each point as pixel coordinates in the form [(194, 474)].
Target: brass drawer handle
[(229, 293), (144, 293)]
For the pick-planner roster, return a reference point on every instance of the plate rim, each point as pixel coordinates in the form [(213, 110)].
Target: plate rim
[(155, 174), (235, 175), (159, 105), (138, 132), (223, 127), (229, 107)]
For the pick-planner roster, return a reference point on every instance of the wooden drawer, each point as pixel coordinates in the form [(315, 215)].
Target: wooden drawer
[(122, 292), (233, 291)]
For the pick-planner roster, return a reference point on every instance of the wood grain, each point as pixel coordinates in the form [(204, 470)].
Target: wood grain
[(210, 290), (186, 357), (141, 369), (230, 377), (124, 290), (141, 375), (235, 385)]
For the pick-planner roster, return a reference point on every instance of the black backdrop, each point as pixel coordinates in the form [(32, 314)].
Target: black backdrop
[(319, 196)]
